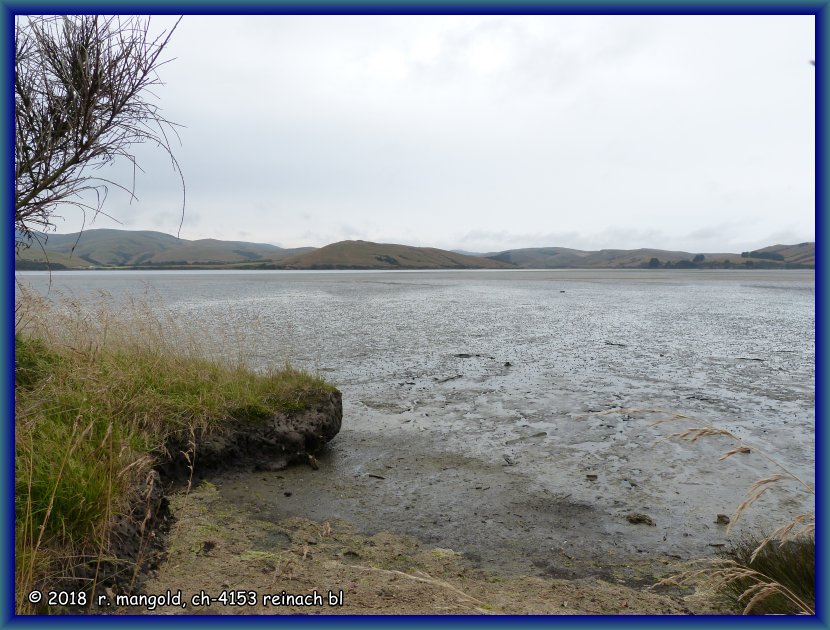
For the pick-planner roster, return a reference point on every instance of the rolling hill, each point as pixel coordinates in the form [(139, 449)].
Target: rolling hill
[(100, 247), (116, 248), (803, 253), (210, 251), (564, 258), (125, 248), (367, 255)]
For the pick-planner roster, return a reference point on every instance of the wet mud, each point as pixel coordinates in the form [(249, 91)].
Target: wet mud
[(521, 418)]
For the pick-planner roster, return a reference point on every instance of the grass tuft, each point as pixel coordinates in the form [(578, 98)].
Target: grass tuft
[(790, 565), (773, 574)]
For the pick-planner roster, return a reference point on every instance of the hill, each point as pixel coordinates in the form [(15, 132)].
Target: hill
[(99, 247), (125, 248), (776, 256), (803, 253), (211, 251), (117, 248), (368, 255), (541, 257)]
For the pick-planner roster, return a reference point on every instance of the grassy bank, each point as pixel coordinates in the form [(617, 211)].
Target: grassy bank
[(97, 396)]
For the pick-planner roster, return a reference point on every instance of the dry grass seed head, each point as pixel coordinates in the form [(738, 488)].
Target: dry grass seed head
[(735, 451), (720, 572), (802, 525), (755, 492)]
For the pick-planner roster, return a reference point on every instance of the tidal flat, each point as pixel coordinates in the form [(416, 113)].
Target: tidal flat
[(517, 417)]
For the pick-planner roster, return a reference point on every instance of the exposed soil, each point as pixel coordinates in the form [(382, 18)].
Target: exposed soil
[(453, 548), (135, 545), (271, 444), (215, 548)]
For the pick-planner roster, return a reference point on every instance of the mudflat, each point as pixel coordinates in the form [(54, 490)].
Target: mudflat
[(519, 419)]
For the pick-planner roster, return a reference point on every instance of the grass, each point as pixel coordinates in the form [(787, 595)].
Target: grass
[(760, 575), (98, 393), (787, 570)]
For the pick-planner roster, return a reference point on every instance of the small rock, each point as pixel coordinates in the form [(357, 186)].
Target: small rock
[(507, 364), (510, 461), (638, 518), (271, 465), (723, 519), (591, 477), (287, 493)]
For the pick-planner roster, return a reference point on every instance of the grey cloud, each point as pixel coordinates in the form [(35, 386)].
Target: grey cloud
[(597, 131)]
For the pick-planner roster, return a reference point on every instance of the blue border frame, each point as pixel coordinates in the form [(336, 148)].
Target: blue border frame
[(7, 343), (10, 8)]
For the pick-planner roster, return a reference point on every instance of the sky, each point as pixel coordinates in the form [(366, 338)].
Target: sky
[(483, 133)]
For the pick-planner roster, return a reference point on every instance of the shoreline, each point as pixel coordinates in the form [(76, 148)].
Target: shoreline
[(217, 549), (511, 426)]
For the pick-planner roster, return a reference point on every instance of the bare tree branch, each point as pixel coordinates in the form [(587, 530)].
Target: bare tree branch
[(83, 88)]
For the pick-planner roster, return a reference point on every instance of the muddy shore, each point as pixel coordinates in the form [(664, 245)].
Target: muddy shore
[(395, 523), (229, 561), (401, 525), (506, 410)]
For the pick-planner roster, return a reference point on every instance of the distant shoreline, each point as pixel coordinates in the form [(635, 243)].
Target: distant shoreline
[(143, 250), (222, 267)]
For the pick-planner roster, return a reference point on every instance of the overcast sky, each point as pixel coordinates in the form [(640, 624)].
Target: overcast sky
[(485, 133)]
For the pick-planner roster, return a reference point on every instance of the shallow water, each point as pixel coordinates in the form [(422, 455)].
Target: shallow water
[(485, 398)]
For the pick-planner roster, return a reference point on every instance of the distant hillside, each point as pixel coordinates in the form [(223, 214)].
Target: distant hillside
[(541, 257), (212, 251), (803, 253), (776, 256), (367, 255), (117, 248), (101, 247), (125, 248)]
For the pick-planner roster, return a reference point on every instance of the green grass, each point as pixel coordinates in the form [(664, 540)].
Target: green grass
[(96, 396), (790, 564)]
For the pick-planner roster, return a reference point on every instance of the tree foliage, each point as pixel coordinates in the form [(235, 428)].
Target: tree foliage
[(83, 98)]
